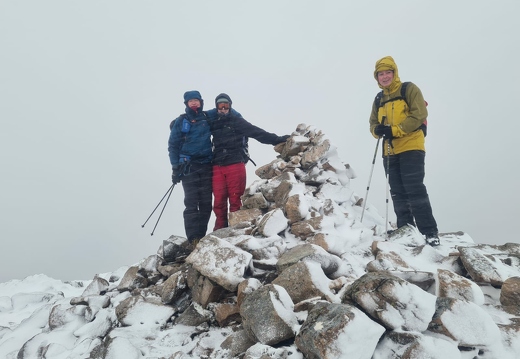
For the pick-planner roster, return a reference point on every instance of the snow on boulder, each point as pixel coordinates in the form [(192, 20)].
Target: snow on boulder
[(265, 251), (278, 188), (23, 300), (5, 304), (174, 287), (392, 255), (338, 331), (316, 153), (456, 286), (265, 351), (65, 315), (13, 339), (99, 327), (406, 345), (220, 261), (295, 144), (392, 301), (272, 223), (132, 280), (174, 248), (137, 310), (237, 343), (309, 252), (295, 209), (465, 322), (267, 315), (491, 264), (340, 194), (247, 287), (121, 347), (96, 287), (305, 280)]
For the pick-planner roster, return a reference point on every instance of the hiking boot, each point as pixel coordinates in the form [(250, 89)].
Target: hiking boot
[(194, 243), (190, 244), (433, 239)]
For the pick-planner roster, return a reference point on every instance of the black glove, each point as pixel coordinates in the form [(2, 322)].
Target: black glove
[(176, 175), (383, 131), (282, 139)]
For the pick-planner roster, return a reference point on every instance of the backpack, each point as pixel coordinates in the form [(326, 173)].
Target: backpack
[(379, 96), (245, 148), (186, 129)]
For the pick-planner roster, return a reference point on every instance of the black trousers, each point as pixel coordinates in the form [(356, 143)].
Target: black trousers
[(409, 195), (197, 184)]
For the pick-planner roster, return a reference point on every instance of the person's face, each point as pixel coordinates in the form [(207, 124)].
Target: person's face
[(223, 108), (385, 77), (193, 103)]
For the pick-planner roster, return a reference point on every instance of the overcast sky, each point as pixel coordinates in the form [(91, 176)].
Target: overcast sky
[(88, 89)]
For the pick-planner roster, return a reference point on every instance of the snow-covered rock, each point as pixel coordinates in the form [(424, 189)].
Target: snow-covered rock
[(298, 274)]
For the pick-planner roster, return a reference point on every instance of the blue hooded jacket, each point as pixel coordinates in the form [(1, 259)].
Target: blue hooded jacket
[(190, 134)]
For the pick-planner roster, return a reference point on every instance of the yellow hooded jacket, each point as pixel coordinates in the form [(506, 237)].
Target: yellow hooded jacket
[(405, 117)]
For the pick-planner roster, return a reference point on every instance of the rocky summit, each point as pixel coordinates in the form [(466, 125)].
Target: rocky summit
[(295, 275)]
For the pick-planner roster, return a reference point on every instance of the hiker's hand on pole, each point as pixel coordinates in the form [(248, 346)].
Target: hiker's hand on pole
[(176, 175), (388, 133), (383, 131), (379, 130)]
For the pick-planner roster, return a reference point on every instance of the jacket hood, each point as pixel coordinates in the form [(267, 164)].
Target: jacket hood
[(384, 64), (221, 97), (193, 95), (190, 95)]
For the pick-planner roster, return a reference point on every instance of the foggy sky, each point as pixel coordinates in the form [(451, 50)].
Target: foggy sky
[(88, 90)]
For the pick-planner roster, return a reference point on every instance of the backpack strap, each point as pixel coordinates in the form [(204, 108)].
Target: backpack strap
[(402, 96), (377, 100), (245, 142), (245, 149), (404, 86)]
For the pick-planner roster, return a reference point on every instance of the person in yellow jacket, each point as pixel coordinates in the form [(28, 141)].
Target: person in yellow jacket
[(398, 121)]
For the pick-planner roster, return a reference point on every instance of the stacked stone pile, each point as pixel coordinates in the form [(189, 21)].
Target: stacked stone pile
[(296, 275)]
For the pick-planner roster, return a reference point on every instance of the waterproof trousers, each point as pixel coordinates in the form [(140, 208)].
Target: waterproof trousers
[(229, 184), (197, 200), (409, 195)]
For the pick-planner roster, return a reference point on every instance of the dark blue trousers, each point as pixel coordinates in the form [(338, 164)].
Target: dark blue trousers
[(197, 184), (409, 195)]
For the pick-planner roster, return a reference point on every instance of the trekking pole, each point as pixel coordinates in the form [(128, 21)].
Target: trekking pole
[(370, 179), (387, 185), (160, 214), (158, 204), (389, 146)]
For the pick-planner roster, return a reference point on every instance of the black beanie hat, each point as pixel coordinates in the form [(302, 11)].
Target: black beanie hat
[(223, 98), (192, 95)]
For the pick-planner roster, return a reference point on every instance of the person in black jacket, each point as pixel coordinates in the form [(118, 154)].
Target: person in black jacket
[(230, 134)]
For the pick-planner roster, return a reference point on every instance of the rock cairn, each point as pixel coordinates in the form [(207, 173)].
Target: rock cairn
[(296, 272)]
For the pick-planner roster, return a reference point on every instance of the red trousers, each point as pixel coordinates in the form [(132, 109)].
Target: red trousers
[(229, 183)]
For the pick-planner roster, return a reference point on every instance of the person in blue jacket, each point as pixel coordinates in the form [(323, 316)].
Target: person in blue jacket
[(190, 151)]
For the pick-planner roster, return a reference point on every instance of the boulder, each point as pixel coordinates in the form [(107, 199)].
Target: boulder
[(338, 331), (267, 315), (393, 302), (220, 261)]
